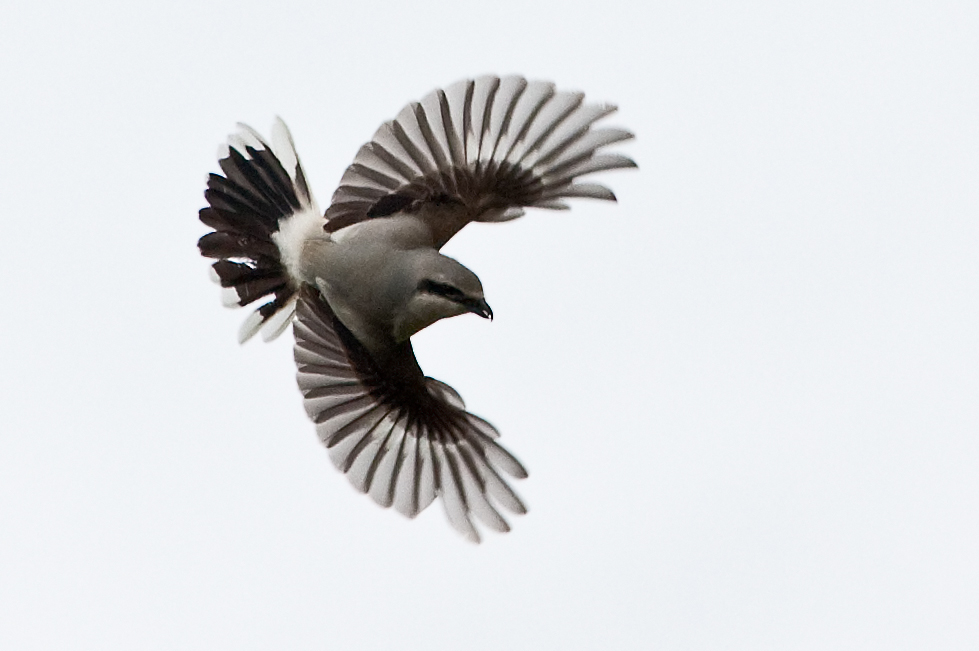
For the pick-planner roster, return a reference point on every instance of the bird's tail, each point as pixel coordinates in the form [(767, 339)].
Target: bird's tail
[(261, 211)]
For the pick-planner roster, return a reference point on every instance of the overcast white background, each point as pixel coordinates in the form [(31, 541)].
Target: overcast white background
[(748, 394)]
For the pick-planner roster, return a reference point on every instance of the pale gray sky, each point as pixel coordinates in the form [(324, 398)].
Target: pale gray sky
[(747, 395)]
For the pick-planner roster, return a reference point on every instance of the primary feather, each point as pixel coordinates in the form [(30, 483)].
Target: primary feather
[(491, 146)]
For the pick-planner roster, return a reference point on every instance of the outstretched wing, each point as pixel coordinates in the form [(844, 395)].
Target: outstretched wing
[(259, 210), (403, 438), (492, 146)]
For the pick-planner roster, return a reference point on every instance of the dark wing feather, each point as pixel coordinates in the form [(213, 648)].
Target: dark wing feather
[(493, 146), (401, 437)]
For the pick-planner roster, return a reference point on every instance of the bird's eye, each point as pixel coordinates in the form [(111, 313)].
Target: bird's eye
[(441, 289)]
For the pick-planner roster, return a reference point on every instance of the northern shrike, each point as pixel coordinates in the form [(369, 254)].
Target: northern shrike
[(358, 281)]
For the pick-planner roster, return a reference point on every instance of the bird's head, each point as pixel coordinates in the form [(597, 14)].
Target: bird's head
[(441, 288)]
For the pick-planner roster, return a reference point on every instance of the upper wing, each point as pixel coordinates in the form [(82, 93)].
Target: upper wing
[(259, 210), (402, 437), (491, 145)]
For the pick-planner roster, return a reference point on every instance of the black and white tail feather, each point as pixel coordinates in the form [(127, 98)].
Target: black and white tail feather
[(489, 146), (260, 211)]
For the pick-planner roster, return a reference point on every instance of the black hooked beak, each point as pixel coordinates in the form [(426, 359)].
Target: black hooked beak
[(480, 307)]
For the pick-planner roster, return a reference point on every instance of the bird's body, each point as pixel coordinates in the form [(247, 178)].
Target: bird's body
[(378, 265), (362, 280)]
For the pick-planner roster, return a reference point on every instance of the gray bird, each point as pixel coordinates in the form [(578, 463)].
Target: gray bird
[(359, 281)]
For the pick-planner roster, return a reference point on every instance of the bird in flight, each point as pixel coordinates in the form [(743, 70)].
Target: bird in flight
[(358, 281)]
